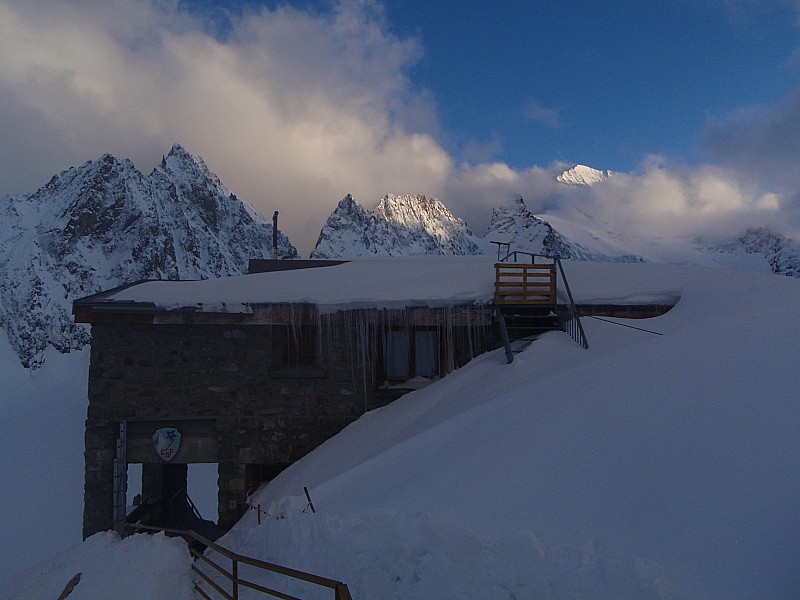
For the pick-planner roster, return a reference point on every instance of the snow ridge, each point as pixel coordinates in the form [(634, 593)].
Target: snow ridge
[(525, 231), (399, 226), (105, 224)]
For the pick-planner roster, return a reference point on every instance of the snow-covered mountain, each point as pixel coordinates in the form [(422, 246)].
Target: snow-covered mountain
[(399, 226), (754, 249), (524, 231), (781, 253), (104, 224), (416, 225), (583, 175)]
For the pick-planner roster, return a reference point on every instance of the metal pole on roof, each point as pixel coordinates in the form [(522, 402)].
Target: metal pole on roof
[(275, 235)]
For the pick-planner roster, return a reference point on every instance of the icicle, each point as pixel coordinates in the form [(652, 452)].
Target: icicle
[(364, 355), (318, 337), (470, 336)]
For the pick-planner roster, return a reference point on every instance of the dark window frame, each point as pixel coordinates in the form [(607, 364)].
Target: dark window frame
[(411, 351)]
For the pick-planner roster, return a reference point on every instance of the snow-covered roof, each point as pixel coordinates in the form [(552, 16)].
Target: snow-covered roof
[(397, 282)]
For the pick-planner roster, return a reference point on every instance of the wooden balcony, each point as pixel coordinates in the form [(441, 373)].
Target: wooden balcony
[(525, 284)]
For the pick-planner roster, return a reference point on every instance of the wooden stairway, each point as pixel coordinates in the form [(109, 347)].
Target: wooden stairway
[(525, 303)]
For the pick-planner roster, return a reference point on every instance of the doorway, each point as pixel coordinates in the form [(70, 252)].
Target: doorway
[(179, 496)]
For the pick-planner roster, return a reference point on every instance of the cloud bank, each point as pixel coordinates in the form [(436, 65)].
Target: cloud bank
[(294, 109)]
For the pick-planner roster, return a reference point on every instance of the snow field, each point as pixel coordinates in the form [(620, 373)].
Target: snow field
[(139, 567), (646, 467), (668, 463)]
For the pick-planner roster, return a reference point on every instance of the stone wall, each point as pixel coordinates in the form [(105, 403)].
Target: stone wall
[(234, 395), (263, 412)]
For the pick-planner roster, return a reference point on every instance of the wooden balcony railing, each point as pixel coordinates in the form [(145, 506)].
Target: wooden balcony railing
[(517, 283)]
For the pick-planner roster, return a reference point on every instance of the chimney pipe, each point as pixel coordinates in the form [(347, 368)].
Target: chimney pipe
[(275, 235)]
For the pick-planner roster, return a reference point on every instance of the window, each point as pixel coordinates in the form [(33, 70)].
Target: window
[(412, 354), (426, 353), (398, 355), (295, 346)]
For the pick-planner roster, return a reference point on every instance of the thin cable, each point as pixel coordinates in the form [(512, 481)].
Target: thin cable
[(622, 324)]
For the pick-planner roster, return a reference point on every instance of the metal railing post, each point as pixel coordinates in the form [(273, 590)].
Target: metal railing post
[(235, 579), (343, 592)]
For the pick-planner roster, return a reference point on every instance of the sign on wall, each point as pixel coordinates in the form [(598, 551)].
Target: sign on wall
[(166, 441), (199, 441)]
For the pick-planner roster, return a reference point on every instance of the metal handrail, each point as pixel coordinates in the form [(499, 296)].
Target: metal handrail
[(572, 324), (340, 589)]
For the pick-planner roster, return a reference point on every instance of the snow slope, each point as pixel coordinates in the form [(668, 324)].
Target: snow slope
[(140, 567), (649, 466), (41, 442)]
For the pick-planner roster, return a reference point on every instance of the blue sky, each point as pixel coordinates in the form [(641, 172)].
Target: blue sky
[(591, 82), (295, 105)]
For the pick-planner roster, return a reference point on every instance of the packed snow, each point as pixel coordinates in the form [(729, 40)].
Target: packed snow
[(649, 466), (140, 567)]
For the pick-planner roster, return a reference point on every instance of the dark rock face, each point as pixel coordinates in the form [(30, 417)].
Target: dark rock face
[(782, 253), (105, 224)]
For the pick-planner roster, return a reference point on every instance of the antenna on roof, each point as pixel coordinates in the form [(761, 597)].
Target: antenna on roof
[(275, 235)]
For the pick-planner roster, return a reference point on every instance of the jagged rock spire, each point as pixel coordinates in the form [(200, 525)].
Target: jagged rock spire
[(399, 226)]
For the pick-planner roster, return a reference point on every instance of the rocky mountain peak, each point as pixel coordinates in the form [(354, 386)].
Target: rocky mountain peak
[(402, 225), (104, 224), (349, 204), (419, 211), (781, 253), (180, 163)]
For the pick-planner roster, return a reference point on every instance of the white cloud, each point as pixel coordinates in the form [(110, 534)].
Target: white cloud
[(663, 200), (293, 110)]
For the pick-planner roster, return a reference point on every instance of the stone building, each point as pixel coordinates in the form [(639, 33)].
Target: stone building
[(253, 372)]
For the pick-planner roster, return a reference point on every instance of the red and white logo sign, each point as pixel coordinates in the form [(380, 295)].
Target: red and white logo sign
[(166, 441)]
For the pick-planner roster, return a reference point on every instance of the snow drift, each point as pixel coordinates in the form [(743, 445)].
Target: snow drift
[(651, 466)]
